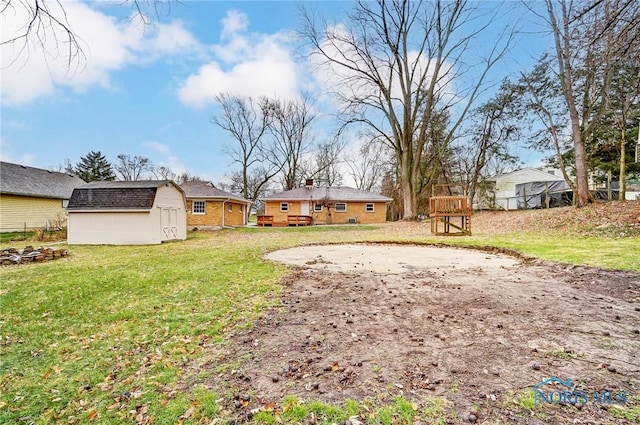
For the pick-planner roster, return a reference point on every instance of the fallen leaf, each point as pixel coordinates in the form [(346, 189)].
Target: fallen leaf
[(190, 411)]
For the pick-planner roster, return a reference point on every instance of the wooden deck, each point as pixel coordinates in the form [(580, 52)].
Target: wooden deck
[(292, 220), (442, 209)]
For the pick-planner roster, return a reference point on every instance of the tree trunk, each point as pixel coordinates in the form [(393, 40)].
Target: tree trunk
[(406, 181), (623, 167), (582, 179)]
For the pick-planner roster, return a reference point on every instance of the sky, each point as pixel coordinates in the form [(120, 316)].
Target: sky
[(148, 90)]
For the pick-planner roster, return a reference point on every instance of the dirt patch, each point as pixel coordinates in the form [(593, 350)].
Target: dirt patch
[(375, 321)]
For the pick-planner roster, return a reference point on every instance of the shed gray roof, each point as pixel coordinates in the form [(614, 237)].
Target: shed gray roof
[(116, 195), (21, 180), (206, 190), (332, 193)]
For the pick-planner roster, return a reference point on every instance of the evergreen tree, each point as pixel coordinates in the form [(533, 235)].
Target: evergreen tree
[(94, 166)]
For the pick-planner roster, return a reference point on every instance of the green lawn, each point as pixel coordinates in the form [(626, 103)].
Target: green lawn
[(117, 334)]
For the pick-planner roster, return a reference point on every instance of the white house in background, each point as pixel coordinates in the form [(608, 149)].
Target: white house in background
[(127, 213), (504, 186)]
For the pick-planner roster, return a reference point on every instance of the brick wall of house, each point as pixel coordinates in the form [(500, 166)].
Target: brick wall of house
[(355, 210), (213, 214)]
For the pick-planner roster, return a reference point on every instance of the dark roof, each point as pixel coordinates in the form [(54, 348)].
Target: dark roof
[(206, 190), (116, 195), (35, 182), (332, 193)]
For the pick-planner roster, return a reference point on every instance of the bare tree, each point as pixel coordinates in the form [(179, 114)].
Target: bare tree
[(325, 165), (590, 39), (290, 125), (164, 173), (493, 127), (132, 168), (256, 183), (368, 165), (186, 177), (396, 63), (247, 124), (48, 20)]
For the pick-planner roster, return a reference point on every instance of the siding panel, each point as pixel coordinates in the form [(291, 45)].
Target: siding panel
[(16, 212)]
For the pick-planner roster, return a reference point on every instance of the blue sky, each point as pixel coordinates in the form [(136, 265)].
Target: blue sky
[(148, 90)]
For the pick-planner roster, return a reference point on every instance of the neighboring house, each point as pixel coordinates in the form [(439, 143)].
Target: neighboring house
[(326, 205), (210, 207), (33, 198), (127, 213), (504, 192)]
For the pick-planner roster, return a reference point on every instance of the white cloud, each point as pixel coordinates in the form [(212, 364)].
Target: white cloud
[(167, 159), (35, 68), (172, 39), (233, 23), (247, 65), (5, 156)]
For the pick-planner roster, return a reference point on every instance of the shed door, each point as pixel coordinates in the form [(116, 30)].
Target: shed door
[(304, 208), (169, 217)]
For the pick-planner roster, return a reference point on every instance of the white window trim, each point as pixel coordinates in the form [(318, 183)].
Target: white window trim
[(286, 205), (340, 203), (373, 207), (204, 208), (316, 209)]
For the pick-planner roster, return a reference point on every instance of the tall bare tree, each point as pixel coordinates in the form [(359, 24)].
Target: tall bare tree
[(395, 64), (590, 40), (132, 168), (290, 127), (368, 165), (256, 183), (246, 121), (324, 167), (492, 132)]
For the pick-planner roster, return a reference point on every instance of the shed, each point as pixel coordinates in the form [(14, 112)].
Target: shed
[(127, 213), (504, 186), (34, 198)]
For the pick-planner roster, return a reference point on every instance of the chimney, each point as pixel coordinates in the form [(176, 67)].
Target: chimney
[(308, 183)]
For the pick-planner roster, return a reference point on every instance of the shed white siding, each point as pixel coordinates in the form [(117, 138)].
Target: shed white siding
[(112, 228), (165, 221)]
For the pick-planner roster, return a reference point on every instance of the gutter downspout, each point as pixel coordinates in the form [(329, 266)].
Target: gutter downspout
[(223, 202)]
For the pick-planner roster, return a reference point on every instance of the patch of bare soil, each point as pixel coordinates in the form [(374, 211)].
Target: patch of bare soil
[(376, 321)]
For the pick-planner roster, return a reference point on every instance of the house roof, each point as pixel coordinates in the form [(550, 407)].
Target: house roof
[(35, 182), (541, 175), (206, 190), (332, 193), (117, 195)]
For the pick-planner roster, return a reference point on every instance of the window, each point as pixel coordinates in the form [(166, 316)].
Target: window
[(241, 208), (369, 207), (341, 207), (317, 207), (230, 207), (284, 206), (198, 207)]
